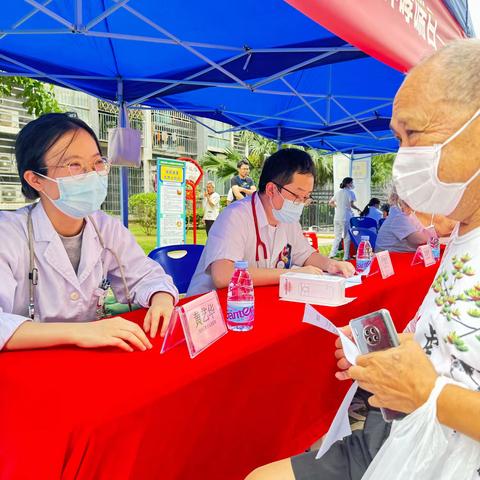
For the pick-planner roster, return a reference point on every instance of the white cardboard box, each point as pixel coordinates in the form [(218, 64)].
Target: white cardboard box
[(315, 289)]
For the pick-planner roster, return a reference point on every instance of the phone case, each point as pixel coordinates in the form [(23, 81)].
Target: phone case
[(372, 333)]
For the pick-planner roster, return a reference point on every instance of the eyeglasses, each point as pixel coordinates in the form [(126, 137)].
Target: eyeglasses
[(306, 201), (76, 167)]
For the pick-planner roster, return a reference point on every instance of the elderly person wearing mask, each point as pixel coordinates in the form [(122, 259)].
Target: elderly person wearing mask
[(436, 117), (401, 231)]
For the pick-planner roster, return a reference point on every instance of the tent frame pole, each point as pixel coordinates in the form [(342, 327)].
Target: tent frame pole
[(353, 118), (307, 104), (122, 122)]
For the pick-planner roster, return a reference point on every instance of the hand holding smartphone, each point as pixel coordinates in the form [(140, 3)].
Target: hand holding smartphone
[(372, 333)]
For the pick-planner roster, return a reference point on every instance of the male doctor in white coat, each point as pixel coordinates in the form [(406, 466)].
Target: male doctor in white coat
[(264, 229), (60, 255)]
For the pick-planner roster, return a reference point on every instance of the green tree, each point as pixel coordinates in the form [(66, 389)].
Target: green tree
[(144, 207), (37, 97), (382, 169), (224, 165), (259, 148), (323, 165)]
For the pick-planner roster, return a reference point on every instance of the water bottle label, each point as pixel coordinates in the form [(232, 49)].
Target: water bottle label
[(240, 312), (363, 264)]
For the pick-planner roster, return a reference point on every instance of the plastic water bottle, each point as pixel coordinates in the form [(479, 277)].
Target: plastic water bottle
[(434, 241), (435, 244), (364, 254), (240, 299)]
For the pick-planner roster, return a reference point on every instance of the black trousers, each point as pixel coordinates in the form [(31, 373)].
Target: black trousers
[(208, 225), (347, 459)]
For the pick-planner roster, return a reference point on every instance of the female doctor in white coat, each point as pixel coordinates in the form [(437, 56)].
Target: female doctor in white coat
[(59, 256)]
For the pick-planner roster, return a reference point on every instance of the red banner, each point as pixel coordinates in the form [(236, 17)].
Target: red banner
[(399, 33)]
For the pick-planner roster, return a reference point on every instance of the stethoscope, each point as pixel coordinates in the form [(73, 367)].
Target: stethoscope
[(33, 271), (259, 243)]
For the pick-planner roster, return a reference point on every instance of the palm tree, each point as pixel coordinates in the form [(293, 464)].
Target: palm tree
[(223, 165), (259, 148), (323, 165)]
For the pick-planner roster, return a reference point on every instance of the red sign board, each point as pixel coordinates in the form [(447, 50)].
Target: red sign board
[(399, 33), (194, 174)]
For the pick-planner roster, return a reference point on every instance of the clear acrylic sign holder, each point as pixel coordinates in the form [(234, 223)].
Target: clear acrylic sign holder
[(424, 254), (199, 322)]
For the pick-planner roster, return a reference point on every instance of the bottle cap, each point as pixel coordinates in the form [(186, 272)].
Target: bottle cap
[(365, 238), (242, 264)]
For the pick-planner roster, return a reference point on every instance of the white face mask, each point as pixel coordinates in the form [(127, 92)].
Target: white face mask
[(415, 175)]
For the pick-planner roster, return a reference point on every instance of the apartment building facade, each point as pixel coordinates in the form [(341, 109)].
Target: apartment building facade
[(165, 134)]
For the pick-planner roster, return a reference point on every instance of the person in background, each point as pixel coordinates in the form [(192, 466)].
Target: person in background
[(211, 206), (385, 208), (372, 210), (264, 229), (401, 231), (343, 202), (61, 254), (242, 184)]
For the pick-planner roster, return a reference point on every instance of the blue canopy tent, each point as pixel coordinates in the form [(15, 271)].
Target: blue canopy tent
[(262, 66)]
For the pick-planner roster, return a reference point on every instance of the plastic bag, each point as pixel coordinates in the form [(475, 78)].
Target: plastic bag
[(419, 447), (124, 147)]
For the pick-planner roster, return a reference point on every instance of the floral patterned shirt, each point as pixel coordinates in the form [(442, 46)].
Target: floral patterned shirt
[(448, 327)]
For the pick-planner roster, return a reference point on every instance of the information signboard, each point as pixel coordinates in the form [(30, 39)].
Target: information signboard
[(171, 212)]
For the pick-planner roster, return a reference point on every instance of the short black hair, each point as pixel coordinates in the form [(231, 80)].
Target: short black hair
[(385, 208), (37, 137), (243, 161), (346, 181), (282, 165)]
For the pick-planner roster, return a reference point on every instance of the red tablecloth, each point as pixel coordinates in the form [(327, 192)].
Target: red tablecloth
[(249, 399)]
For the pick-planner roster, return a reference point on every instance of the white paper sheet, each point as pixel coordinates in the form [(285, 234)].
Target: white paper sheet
[(312, 317), (340, 427)]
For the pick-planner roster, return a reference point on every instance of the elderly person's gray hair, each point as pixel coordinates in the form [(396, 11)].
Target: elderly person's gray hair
[(395, 201), (211, 183), (457, 66), (393, 198)]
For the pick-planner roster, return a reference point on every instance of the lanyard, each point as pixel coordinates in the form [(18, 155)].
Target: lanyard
[(259, 242), (33, 271)]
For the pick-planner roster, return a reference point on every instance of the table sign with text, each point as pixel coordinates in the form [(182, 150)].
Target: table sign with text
[(327, 290), (424, 254), (385, 264), (199, 322)]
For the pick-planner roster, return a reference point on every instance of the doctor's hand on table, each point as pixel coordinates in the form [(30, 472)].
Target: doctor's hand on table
[(110, 332), (124, 334), (161, 308), (346, 269), (310, 269)]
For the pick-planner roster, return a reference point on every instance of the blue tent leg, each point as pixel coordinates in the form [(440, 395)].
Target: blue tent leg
[(124, 195), (123, 120)]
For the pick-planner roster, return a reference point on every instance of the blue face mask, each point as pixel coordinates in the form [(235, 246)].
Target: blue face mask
[(289, 213), (80, 195)]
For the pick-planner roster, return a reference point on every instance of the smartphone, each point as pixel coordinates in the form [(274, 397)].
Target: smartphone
[(374, 332)]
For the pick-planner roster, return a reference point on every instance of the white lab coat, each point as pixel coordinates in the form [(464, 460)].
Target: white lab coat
[(61, 294), (233, 237)]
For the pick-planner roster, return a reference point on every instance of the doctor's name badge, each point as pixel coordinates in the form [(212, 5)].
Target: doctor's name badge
[(199, 322)]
